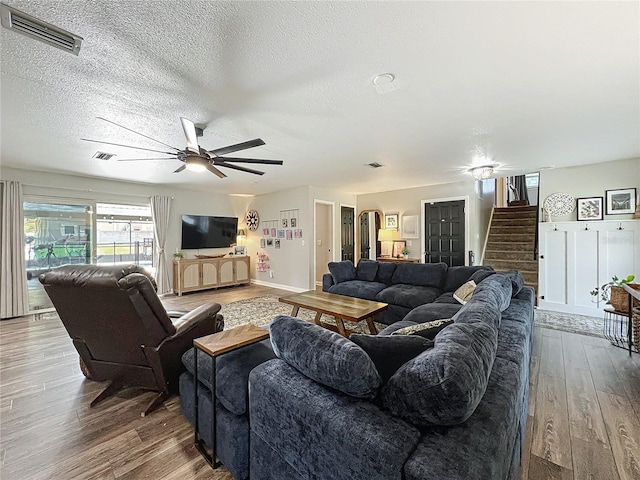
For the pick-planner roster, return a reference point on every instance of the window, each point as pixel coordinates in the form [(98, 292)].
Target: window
[(124, 234), (532, 180)]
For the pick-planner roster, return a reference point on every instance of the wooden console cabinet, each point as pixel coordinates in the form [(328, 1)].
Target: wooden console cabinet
[(190, 275)]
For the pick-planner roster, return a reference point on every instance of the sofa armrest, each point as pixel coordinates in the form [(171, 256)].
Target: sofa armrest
[(322, 433), (327, 281)]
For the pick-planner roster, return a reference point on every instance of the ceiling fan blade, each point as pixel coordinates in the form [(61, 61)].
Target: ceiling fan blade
[(128, 146), (238, 146), (215, 171), (137, 133), (143, 159), (190, 132), (251, 160), (179, 169), (236, 167)]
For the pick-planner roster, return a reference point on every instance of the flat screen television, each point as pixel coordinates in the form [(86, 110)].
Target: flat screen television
[(202, 231)]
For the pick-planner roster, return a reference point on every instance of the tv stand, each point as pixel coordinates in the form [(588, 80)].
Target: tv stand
[(194, 274)]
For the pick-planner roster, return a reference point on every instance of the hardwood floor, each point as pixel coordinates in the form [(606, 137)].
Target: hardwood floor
[(584, 410)]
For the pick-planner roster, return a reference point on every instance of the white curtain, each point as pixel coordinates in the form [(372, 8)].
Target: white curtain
[(160, 208), (14, 299)]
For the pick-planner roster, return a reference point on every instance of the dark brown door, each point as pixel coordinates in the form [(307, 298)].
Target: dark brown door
[(444, 233), (348, 244)]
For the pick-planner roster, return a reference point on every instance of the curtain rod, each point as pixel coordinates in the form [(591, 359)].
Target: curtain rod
[(85, 190)]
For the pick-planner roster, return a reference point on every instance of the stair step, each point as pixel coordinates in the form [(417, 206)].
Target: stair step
[(514, 221), (510, 246), (511, 229), (529, 277), (526, 265), (503, 237), (527, 208), (508, 255)]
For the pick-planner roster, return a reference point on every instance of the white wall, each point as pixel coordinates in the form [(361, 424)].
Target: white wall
[(590, 181), (323, 240), (407, 202)]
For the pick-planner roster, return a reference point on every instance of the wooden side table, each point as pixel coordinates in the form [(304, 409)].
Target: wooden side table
[(215, 345)]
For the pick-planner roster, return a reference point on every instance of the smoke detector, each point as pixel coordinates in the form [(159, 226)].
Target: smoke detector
[(45, 32)]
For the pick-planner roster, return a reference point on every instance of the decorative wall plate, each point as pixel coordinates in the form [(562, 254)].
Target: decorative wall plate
[(559, 204), (253, 220)]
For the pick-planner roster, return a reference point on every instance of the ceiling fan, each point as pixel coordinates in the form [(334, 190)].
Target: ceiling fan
[(194, 157)]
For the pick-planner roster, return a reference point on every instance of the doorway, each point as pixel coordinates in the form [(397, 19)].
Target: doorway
[(347, 232), (323, 238), (445, 231)]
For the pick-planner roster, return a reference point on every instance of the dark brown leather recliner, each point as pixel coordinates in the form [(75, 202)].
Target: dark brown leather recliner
[(121, 329)]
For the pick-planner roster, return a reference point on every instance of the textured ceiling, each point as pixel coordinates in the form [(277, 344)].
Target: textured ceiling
[(530, 84)]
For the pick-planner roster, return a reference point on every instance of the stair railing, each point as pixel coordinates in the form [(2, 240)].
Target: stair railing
[(486, 238), (535, 240)]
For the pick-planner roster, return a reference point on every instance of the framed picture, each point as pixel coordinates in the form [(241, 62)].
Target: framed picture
[(621, 201), (398, 246), (273, 232), (238, 250), (391, 221), (285, 223), (263, 242), (589, 208), (297, 233), (289, 234), (265, 232), (280, 233), (277, 243), (294, 222), (409, 226), (269, 242)]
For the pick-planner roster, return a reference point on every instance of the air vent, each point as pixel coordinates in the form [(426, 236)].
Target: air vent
[(27, 25), (103, 156), (374, 165)]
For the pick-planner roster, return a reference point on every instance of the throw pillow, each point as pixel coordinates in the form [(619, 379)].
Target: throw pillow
[(463, 294), (480, 275), (427, 330), (367, 270), (325, 357), (342, 271), (389, 352)]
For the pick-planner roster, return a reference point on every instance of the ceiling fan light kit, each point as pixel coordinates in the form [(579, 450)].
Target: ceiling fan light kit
[(194, 157)]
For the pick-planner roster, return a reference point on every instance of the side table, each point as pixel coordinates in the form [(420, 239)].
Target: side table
[(215, 345)]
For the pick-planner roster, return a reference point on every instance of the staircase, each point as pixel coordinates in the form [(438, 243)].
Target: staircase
[(511, 242)]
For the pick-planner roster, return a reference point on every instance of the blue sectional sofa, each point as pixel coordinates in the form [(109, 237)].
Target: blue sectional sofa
[(319, 407), (404, 286)]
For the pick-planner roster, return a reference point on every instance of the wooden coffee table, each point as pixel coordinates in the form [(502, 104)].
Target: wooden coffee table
[(339, 306)]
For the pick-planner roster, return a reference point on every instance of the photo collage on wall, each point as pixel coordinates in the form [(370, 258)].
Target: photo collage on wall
[(286, 228)]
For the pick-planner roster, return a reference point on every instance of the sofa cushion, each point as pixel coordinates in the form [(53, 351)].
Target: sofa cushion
[(447, 297), (358, 288), (456, 276), (366, 270), (232, 372), (426, 330), (342, 271), (422, 274), (464, 292), (409, 296), (517, 281), (390, 352), (489, 299), (385, 272), (444, 385), (480, 275), (432, 311), (325, 357)]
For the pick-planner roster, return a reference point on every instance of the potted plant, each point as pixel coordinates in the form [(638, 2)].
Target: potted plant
[(613, 293), (178, 256), (405, 252)]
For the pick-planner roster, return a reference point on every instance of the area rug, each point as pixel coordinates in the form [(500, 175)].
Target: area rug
[(570, 322), (261, 310)]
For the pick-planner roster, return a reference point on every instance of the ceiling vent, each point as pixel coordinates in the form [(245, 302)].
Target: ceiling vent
[(27, 25), (374, 165), (103, 156)]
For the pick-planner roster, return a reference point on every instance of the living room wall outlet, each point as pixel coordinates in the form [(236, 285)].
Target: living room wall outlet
[(270, 273)]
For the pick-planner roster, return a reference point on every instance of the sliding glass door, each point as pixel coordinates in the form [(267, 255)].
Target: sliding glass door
[(55, 234)]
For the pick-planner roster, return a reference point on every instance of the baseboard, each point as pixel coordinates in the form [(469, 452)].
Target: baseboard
[(278, 285)]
